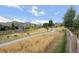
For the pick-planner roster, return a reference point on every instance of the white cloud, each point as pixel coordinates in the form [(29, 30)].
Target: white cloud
[(42, 12), (35, 11), (14, 6), (37, 21), (34, 7), (3, 19), (19, 20)]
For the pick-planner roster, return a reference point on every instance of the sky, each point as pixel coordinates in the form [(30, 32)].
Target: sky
[(34, 13)]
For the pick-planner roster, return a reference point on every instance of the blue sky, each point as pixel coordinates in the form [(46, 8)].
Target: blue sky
[(34, 13)]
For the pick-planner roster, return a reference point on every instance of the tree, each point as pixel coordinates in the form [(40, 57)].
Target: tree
[(29, 28), (45, 25), (50, 23), (76, 23), (3, 28), (6, 27), (0, 27), (68, 18), (13, 27)]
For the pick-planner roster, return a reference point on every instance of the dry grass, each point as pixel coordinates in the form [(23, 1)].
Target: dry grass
[(4, 38), (9, 37), (39, 43), (38, 31)]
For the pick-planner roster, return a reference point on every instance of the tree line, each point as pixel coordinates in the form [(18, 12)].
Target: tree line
[(71, 19), (12, 27)]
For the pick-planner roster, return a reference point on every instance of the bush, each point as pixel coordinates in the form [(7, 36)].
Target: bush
[(8, 36), (71, 29), (15, 35)]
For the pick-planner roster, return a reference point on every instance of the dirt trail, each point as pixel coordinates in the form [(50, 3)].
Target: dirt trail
[(27, 37)]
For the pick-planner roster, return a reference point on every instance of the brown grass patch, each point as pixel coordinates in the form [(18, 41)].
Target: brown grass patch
[(39, 43)]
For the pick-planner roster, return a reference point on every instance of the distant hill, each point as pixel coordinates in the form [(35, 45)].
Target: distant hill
[(16, 23), (19, 25)]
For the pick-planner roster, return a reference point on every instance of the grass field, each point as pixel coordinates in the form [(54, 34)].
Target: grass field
[(14, 36), (42, 43)]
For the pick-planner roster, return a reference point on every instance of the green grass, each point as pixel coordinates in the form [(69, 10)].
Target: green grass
[(61, 47)]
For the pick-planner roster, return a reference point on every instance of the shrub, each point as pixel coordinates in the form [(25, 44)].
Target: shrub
[(8, 36), (15, 35)]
